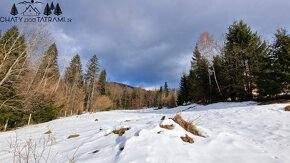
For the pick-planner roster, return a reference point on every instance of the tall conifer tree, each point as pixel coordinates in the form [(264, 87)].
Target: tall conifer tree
[(73, 74), (244, 51), (48, 69), (274, 74), (13, 64), (90, 81), (102, 83)]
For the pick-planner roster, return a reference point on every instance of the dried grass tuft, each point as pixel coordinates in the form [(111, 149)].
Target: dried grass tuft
[(187, 139), (188, 126), (120, 131), (168, 127), (73, 136)]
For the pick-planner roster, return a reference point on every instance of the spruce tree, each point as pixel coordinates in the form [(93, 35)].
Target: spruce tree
[(198, 79), (57, 10), (13, 61), (183, 91), (73, 74), (102, 83), (13, 56), (47, 10), (73, 78), (14, 10), (52, 6), (244, 51), (280, 57), (90, 81), (203, 81), (218, 64), (194, 90), (274, 74), (160, 97), (166, 89), (48, 69)]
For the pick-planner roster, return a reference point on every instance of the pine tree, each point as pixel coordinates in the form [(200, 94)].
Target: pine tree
[(14, 10), (198, 79), (244, 51), (183, 91), (274, 74), (160, 97), (73, 74), (57, 10), (13, 65), (74, 80), (280, 55), (52, 6), (48, 70), (90, 81), (193, 82), (47, 10), (102, 83), (203, 80), (13, 55), (218, 64), (166, 89)]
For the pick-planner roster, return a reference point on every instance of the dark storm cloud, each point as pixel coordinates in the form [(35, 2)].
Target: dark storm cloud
[(149, 42)]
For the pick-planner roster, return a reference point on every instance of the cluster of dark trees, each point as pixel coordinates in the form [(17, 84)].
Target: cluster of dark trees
[(31, 84), (127, 97), (243, 67), (49, 8)]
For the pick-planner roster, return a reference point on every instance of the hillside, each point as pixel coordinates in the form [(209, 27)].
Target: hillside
[(112, 84), (234, 132)]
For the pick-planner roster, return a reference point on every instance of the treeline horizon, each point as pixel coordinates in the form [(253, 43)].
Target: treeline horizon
[(31, 84), (241, 67)]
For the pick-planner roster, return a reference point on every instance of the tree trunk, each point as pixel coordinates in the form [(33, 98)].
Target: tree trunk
[(216, 81)]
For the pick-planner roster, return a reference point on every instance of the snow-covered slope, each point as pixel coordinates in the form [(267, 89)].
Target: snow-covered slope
[(235, 132)]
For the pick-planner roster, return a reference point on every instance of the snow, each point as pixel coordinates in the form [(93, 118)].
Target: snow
[(235, 132)]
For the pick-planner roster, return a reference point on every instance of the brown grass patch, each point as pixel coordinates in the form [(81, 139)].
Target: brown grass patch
[(188, 126), (287, 108), (73, 136), (120, 131), (187, 139), (168, 127)]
